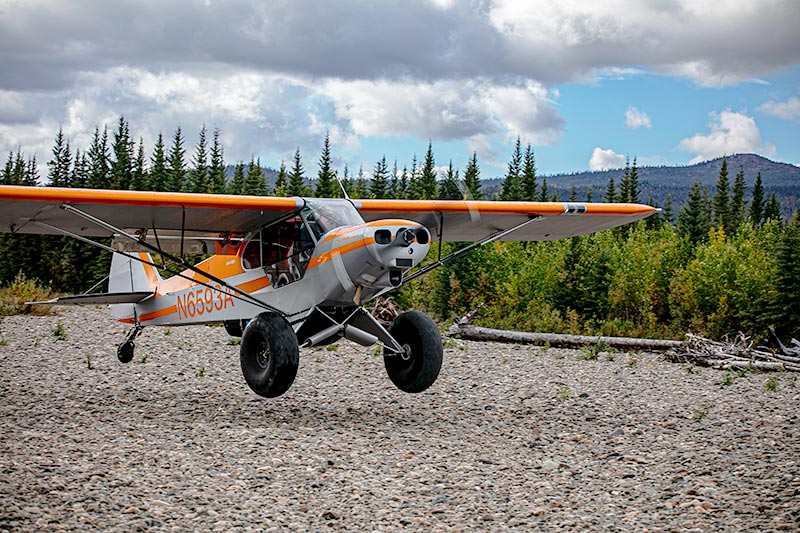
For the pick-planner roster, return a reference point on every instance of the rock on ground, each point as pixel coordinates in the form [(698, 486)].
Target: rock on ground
[(509, 438)]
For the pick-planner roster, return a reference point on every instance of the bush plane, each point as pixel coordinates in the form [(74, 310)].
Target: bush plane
[(284, 273)]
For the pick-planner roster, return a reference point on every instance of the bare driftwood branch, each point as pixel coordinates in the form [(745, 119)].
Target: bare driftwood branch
[(739, 353)]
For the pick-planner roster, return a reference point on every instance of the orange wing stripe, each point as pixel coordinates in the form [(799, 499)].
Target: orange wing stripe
[(509, 208), (147, 198)]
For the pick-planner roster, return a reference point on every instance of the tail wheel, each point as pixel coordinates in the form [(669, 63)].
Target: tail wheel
[(269, 355), (125, 352), (418, 366)]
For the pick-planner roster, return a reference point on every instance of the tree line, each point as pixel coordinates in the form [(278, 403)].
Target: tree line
[(727, 262)]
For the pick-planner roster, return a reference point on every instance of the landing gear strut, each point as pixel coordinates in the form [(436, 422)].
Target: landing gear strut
[(125, 349)]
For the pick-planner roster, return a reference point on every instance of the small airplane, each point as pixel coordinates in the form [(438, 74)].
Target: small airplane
[(285, 273)]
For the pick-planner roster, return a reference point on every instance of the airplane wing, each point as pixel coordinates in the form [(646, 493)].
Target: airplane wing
[(457, 220), (33, 209), (36, 209)]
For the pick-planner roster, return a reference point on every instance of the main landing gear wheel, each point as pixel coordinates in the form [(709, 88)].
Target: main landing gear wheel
[(418, 366), (269, 355), (125, 352)]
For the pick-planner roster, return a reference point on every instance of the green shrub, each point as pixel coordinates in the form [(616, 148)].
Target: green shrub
[(21, 290)]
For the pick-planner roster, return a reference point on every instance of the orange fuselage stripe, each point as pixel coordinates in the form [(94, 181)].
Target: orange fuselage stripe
[(340, 250), (158, 314), (253, 285)]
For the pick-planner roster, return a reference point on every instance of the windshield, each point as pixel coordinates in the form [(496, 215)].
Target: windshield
[(324, 216)]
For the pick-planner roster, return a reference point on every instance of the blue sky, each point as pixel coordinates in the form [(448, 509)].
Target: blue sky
[(585, 83)]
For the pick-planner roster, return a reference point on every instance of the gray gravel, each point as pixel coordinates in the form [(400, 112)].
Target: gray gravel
[(509, 438)]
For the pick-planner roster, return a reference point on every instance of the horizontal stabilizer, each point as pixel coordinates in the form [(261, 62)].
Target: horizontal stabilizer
[(98, 299)]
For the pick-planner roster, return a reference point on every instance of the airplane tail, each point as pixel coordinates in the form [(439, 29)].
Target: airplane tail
[(129, 276)]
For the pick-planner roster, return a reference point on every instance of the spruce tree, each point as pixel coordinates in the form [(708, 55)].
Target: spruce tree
[(139, 179), (254, 182), (784, 309), (589, 194), (543, 191), (361, 189), (402, 185), (757, 204), (236, 186), (773, 209), (122, 164), (281, 183), (512, 183), (693, 220), (200, 181), (449, 189), (326, 183), (380, 174), (611, 191), (669, 218), (8, 170), (633, 183), (529, 185), (176, 167), (394, 184), (721, 207), (297, 186), (99, 174), (80, 171), (624, 183), (216, 182), (737, 201), (59, 165), (426, 185), (158, 177), (472, 178)]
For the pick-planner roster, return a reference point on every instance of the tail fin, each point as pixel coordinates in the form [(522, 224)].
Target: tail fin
[(130, 275)]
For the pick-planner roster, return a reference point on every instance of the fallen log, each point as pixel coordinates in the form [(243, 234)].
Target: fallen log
[(736, 354), (555, 340)]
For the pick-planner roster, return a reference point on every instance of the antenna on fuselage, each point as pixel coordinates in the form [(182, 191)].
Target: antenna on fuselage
[(344, 191)]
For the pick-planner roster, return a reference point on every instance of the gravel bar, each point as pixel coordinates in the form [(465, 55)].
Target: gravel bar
[(510, 438)]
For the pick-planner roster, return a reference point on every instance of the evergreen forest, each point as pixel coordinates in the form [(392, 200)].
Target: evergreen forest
[(724, 261)]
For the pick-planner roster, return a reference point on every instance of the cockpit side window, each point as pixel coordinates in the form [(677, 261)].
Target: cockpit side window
[(251, 256)]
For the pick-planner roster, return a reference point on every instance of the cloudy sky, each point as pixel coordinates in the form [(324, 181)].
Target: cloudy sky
[(585, 82)]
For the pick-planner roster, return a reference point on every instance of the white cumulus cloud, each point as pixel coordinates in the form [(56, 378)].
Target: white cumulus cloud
[(634, 118), (788, 110), (731, 133), (445, 109), (606, 159)]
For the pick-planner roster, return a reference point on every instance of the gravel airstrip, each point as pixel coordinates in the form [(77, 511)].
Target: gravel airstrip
[(510, 438)]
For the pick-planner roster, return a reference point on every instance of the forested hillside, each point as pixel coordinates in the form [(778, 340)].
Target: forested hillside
[(723, 260)]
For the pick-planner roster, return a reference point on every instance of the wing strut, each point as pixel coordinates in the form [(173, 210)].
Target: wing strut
[(239, 294)]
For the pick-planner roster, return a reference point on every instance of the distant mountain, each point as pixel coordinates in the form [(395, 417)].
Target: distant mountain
[(781, 178)]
